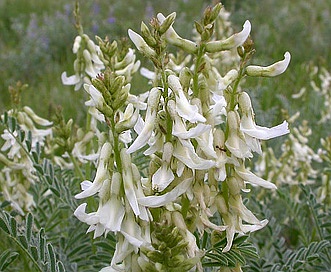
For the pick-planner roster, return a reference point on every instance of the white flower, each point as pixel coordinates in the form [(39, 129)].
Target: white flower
[(271, 70), (128, 181), (205, 143), (218, 109), (179, 127), (164, 175), (249, 177), (77, 44), (184, 151), (236, 143), (248, 126), (222, 159), (173, 38), (183, 107), (101, 174), (151, 113), (225, 81), (141, 45), (75, 79), (162, 200), (38, 120), (80, 148), (234, 41)]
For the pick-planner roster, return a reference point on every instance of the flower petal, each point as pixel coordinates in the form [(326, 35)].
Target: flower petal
[(158, 201), (162, 178), (249, 177), (271, 70)]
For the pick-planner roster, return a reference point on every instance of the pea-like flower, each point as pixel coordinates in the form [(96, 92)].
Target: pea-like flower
[(271, 70)]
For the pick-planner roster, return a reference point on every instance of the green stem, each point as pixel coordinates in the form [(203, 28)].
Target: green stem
[(117, 154), (78, 171), (36, 265), (166, 98), (88, 145), (198, 61)]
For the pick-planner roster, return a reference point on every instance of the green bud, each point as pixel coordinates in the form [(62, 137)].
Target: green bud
[(116, 85), (147, 35), (68, 126), (155, 256), (241, 51), (106, 110), (121, 97), (99, 84), (198, 27), (215, 12), (167, 23), (207, 16), (189, 263)]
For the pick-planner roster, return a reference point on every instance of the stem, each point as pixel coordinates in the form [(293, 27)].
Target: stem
[(78, 171), (196, 71), (27, 253), (116, 146), (166, 98), (88, 146)]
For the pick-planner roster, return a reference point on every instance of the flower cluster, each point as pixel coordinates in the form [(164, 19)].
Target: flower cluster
[(295, 161), (323, 89), (18, 172), (197, 133)]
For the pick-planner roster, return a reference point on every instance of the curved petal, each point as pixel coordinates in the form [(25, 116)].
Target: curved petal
[(158, 201)]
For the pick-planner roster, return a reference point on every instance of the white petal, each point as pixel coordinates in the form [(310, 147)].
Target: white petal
[(36, 118), (141, 45), (235, 40), (191, 133), (151, 113), (271, 70), (183, 107), (162, 178), (184, 152), (264, 133), (249, 177), (101, 174), (129, 186), (147, 73), (111, 214), (71, 80), (158, 201)]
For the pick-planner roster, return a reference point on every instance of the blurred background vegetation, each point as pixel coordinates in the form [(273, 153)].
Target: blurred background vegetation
[(36, 38)]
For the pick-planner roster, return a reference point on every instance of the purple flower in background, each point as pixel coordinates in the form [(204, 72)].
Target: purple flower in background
[(96, 8), (149, 11), (111, 19)]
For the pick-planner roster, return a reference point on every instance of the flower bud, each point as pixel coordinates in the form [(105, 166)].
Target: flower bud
[(234, 41), (76, 45), (227, 79), (36, 118), (173, 38), (141, 44), (147, 35), (221, 204), (271, 70), (185, 76), (121, 96), (167, 23)]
